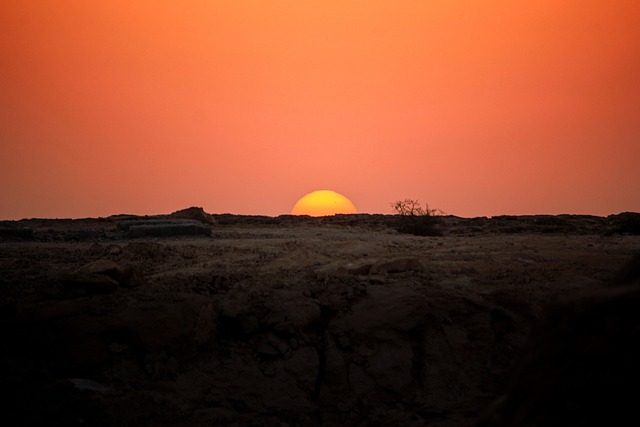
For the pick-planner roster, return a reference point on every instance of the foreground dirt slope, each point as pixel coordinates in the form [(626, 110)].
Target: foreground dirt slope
[(287, 321)]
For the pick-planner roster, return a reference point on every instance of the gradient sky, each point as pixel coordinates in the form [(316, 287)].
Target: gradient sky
[(476, 107)]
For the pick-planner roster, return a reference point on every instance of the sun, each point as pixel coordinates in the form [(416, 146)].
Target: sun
[(322, 203)]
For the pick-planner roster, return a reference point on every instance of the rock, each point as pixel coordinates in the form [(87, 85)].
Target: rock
[(128, 276), (10, 231), (77, 342), (161, 366), (303, 366), (380, 267), (104, 267), (90, 385), (90, 283), (238, 318), (396, 266), (164, 227), (293, 311), (580, 366), (131, 276), (144, 251), (100, 250), (169, 327), (238, 327), (356, 268), (335, 371), (274, 318), (97, 249), (271, 346), (624, 223), (260, 329), (205, 326), (196, 213), (630, 272), (168, 228)]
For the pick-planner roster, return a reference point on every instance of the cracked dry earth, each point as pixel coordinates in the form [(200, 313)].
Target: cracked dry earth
[(281, 325)]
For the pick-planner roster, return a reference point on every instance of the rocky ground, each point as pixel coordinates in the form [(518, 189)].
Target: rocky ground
[(194, 319)]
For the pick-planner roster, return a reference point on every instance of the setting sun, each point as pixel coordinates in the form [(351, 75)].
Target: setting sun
[(323, 202)]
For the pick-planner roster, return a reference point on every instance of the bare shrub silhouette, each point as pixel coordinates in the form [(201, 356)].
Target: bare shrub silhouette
[(416, 220)]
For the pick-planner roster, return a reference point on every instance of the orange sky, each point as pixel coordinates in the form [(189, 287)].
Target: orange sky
[(477, 107)]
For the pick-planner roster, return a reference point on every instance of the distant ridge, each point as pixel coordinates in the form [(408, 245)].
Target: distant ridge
[(189, 218)]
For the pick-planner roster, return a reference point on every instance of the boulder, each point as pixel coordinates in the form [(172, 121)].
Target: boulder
[(195, 213)]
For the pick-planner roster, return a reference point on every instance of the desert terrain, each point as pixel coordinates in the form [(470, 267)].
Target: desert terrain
[(193, 319)]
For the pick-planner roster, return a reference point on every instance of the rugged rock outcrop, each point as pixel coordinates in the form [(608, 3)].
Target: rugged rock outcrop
[(316, 322), (581, 364), (195, 213)]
